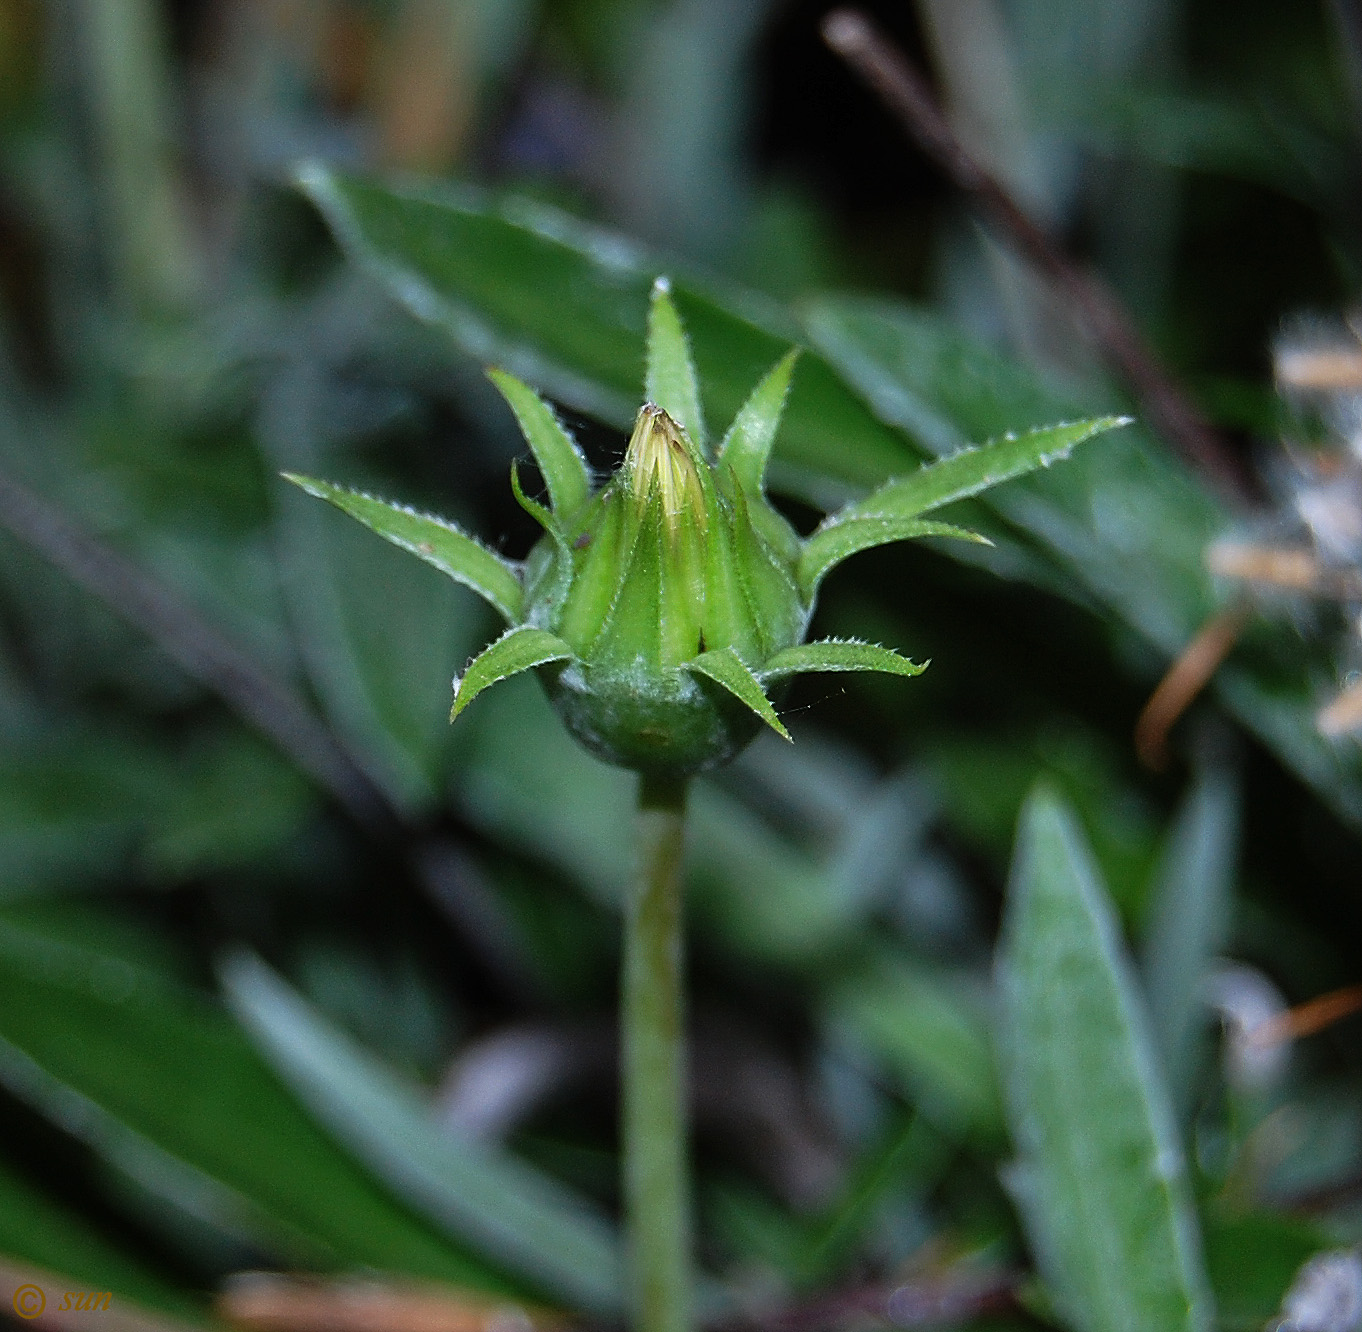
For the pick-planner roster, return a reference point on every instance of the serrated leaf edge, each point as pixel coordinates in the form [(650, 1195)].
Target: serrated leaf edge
[(318, 489), (560, 652), (772, 670), (734, 676)]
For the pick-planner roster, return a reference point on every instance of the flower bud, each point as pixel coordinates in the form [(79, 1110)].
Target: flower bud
[(665, 565), (660, 611)]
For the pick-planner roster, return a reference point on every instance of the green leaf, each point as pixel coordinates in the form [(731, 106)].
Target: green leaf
[(725, 667), (560, 568), (519, 1219), (560, 460), (435, 540), (839, 538), (670, 381), (41, 1231), (1100, 1178), (380, 634), (1123, 527), (928, 1027), (1189, 923), (907, 1160), (972, 470), (1253, 1258), (165, 1087), (517, 650), (564, 305), (747, 445), (838, 654)]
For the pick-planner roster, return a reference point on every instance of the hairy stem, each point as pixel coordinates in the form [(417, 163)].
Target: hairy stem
[(656, 1189)]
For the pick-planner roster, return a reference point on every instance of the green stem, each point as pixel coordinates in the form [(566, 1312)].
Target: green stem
[(656, 1189)]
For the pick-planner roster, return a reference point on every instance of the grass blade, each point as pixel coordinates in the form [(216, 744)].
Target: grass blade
[(1189, 921), (517, 1217), (166, 1088)]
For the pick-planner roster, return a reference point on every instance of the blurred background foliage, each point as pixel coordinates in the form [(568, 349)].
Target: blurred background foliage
[(222, 710)]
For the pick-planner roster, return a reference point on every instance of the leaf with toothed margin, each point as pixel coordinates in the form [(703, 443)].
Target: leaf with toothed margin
[(972, 470), (556, 452), (436, 540), (516, 650), (671, 382), (747, 446), (838, 654), (725, 667), (840, 538)]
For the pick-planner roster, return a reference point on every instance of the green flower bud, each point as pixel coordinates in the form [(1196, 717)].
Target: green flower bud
[(659, 610), (663, 565)]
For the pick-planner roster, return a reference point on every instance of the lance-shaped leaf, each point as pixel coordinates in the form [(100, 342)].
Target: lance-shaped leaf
[(560, 460), (838, 654), (1100, 1180), (747, 446), (670, 381), (522, 1220), (842, 536), (516, 650), (973, 470), (725, 667), (436, 540)]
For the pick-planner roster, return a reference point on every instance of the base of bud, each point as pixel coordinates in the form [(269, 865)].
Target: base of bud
[(669, 723)]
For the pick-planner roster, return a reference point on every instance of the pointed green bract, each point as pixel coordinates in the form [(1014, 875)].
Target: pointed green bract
[(1100, 1179), (516, 650), (839, 538), (725, 667), (747, 446), (838, 654), (561, 462), (544, 517), (537, 570), (977, 469), (436, 540), (671, 382)]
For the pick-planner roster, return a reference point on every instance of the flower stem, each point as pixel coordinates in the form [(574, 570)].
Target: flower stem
[(656, 1189)]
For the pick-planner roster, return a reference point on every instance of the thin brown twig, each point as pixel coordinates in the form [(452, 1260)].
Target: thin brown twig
[(1185, 679), (1308, 1018), (200, 648), (866, 48), (268, 1302)]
